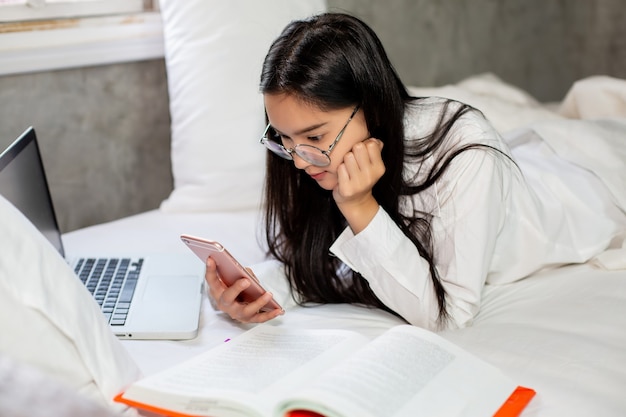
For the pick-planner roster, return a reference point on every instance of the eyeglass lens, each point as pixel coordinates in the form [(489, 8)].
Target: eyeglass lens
[(277, 148), (309, 153), (312, 155)]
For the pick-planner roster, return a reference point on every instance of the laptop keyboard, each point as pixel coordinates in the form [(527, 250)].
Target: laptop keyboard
[(112, 283)]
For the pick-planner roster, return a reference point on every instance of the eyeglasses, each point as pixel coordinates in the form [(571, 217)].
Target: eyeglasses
[(309, 153)]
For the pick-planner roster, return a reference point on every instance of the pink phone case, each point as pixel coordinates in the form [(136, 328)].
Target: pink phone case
[(228, 268)]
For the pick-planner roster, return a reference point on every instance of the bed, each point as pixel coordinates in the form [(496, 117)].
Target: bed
[(560, 331)]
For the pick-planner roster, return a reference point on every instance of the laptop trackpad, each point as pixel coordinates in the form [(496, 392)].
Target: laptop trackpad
[(168, 302)]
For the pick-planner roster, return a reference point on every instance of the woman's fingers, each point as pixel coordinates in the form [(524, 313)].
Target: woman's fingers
[(226, 298), (252, 312), (361, 169), (211, 276)]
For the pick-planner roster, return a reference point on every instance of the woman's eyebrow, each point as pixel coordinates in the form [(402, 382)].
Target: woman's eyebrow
[(303, 131)]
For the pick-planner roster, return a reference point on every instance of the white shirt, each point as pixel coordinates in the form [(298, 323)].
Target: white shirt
[(493, 222)]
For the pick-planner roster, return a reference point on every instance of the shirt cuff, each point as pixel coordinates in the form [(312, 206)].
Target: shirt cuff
[(374, 244)]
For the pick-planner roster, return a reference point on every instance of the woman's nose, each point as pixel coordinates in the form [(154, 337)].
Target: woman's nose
[(298, 162)]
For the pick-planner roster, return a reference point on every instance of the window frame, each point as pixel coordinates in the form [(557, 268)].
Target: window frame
[(42, 10), (70, 42)]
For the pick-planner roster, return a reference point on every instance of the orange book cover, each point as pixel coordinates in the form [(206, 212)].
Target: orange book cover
[(512, 407)]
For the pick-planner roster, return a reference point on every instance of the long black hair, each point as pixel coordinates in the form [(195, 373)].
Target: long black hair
[(335, 61)]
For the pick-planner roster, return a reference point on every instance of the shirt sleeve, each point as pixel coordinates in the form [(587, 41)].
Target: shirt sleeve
[(391, 264), (468, 208)]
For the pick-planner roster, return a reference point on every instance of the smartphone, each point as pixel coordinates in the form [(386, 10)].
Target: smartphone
[(228, 268)]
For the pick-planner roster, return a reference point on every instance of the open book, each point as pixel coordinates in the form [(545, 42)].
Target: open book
[(272, 371)]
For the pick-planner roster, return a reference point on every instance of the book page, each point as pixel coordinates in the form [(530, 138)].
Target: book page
[(405, 372), (253, 367)]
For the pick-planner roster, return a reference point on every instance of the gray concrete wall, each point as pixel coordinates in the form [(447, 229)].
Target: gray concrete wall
[(541, 46), (104, 136), (105, 130)]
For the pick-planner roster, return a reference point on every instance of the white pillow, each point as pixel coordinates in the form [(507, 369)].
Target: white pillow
[(214, 50), (504, 105), (595, 97), (49, 320)]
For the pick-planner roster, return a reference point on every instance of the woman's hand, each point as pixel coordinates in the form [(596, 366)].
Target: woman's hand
[(224, 298), (361, 169)]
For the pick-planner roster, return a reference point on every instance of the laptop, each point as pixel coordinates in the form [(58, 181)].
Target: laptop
[(142, 296)]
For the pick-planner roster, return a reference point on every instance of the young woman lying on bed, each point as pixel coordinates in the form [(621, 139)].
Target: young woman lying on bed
[(407, 204)]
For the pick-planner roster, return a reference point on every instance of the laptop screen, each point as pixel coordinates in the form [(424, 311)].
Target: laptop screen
[(23, 183)]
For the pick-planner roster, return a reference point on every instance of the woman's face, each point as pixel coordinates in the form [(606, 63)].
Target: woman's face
[(298, 123)]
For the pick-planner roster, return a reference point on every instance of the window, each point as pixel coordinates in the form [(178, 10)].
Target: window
[(40, 35), (28, 10)]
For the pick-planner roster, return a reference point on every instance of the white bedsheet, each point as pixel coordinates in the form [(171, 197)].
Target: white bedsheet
[(560, 332)]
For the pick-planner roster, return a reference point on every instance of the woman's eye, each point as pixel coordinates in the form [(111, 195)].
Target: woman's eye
[(315, 138), (273, 135)]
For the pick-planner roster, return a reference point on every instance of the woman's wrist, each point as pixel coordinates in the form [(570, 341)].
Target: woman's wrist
[(359, 213)]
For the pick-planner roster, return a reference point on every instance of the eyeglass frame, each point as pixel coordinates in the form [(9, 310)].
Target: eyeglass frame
[(288, 155)]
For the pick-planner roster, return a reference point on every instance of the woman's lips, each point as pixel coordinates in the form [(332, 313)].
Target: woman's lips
[(317, 176)]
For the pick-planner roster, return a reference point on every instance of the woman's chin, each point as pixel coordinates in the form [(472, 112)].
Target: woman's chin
[(327, 185)]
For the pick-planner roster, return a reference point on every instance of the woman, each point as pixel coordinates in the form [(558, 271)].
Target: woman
[(411, 205)]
